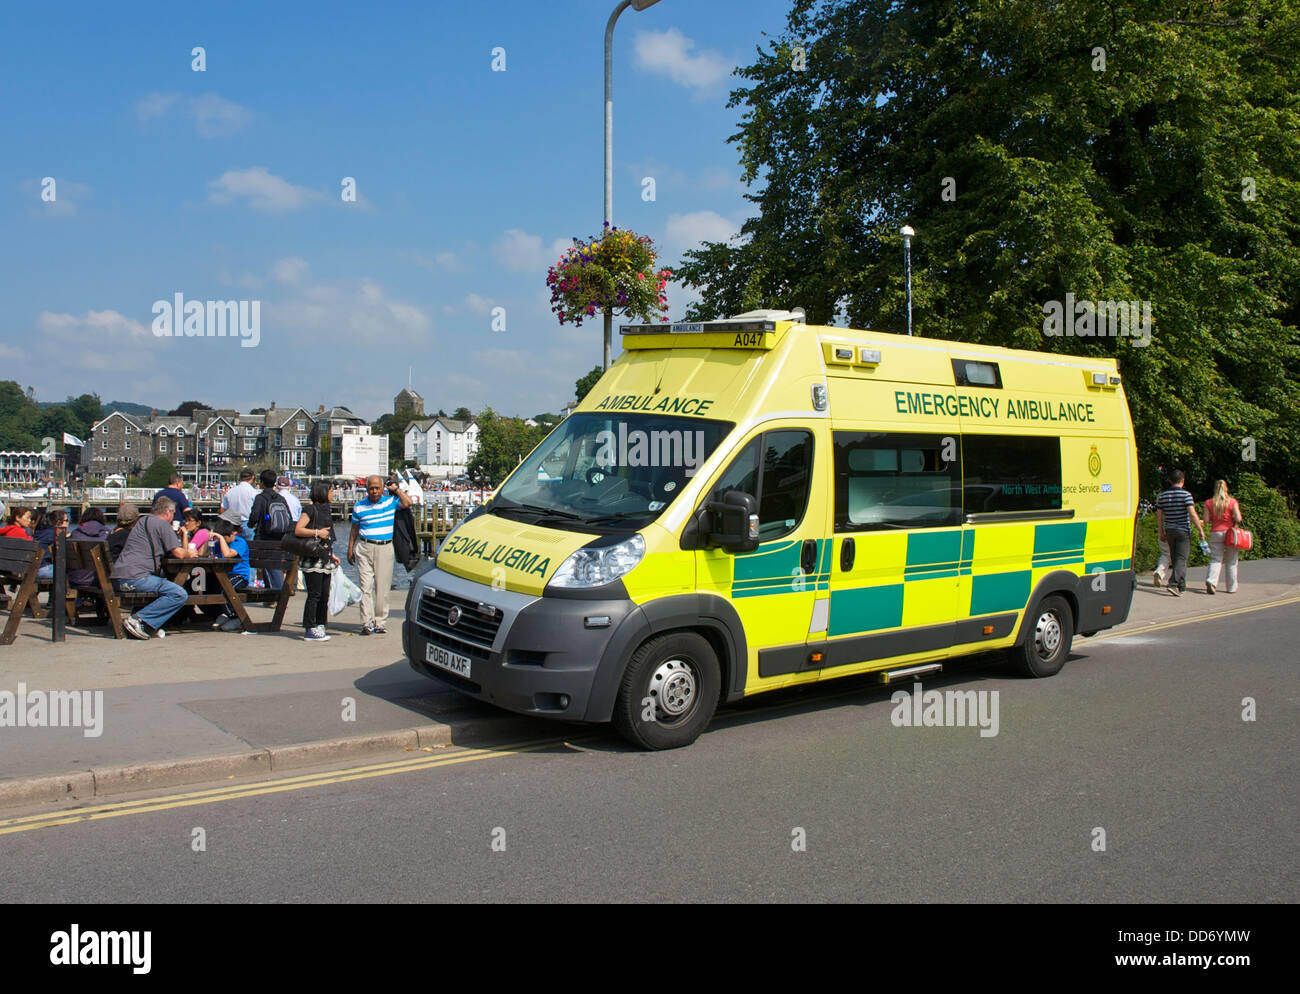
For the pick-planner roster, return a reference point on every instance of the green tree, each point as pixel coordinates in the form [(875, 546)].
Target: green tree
[(18, 415), (1033, 164), (159, 473), (187, 408), (87, 409), (502, 443), (394, 426), (462, 414), (53, 422), (586, 382)]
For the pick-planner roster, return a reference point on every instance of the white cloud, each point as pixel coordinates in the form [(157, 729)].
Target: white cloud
[(96, 340), (353, 312), (442, 262), (68, 194), (686, 231), (473, 302), (290, 270), (262, 190), (213, 116), (153, 105), (668, 53), (521, 252)]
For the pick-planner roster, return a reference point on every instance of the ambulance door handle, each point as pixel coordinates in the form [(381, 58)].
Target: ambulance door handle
[(808, 557), (846, 555)]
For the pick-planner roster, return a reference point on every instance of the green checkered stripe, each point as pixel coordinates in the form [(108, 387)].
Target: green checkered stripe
[(771, 569)]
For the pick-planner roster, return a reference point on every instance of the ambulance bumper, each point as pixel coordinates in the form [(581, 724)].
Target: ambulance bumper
[(527, 654)]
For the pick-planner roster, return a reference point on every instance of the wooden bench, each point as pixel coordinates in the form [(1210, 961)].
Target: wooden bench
[(19, 561), (269, 555), (94, 557)]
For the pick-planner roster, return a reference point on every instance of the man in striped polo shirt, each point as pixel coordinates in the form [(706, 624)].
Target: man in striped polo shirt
[(1175, 509), (370, 547)]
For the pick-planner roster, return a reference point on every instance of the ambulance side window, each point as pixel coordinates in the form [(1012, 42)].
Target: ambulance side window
[(780, 484), (893, 480)]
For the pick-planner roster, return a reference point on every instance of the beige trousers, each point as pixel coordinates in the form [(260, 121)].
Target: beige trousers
[(1222, 557), (375, 571)]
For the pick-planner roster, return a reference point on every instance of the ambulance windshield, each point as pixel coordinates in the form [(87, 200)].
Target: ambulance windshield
[(610, 472)]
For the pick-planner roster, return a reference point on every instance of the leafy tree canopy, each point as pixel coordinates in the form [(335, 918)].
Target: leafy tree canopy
[(1115, 150), (159, 473), (502, 442), (586, 382)]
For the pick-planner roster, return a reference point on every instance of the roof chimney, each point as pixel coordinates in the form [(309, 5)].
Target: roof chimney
[(321, 409)]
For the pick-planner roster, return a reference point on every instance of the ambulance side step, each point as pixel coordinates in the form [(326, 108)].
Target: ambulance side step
[(888, 675)]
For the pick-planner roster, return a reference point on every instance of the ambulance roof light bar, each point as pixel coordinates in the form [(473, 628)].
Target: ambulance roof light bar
[(749, 321)]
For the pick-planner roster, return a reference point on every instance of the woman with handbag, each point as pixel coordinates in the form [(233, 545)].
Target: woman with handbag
[(314, 533), (1222, 514)]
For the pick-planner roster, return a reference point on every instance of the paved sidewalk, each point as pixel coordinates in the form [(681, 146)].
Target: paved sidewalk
[(199, 705)]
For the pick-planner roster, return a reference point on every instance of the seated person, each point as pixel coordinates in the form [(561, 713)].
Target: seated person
[(136, 569), (93, 527), (19, 523), (227, 543), (127, 516), (199, 535), (48, 525)]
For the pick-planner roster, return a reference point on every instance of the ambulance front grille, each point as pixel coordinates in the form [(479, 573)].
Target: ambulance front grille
[(472, 626)]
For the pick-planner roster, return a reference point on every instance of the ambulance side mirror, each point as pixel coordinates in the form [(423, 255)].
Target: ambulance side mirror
[(734, 522)]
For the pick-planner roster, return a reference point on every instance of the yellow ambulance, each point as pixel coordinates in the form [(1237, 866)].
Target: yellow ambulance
[(754, 503)]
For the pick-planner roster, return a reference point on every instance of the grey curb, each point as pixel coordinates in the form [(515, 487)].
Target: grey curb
[(107, 781)]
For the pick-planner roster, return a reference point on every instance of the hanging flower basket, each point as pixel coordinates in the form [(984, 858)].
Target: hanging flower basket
[(615, 272)]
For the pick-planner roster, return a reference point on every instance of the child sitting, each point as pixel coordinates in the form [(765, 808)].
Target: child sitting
[(227, 544)]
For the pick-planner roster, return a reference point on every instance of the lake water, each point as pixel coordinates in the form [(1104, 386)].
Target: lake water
[(401, 578)]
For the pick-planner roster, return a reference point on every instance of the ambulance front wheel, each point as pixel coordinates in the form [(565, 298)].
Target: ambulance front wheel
[(669, 692), (1049, 629)]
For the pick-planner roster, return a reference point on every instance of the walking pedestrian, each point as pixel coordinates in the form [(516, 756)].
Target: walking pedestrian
[(270, 520), (1161, 575), (238, 502), (174, 491), (137, 566), (316, 522), (1174, 509), (370, 548), (1222, 512)]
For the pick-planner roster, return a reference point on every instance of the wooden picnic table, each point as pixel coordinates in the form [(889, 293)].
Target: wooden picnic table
[(180, 571)]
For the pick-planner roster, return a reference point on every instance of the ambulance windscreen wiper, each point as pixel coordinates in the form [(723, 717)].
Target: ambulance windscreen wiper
[(549, 512)]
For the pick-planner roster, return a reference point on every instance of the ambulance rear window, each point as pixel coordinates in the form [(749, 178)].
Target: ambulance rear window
[(969, 373)]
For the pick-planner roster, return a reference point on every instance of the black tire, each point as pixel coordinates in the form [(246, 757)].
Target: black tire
[(1048, 631), (676, 675)]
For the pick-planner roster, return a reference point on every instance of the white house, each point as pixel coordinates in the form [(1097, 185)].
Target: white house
[(441, 442)]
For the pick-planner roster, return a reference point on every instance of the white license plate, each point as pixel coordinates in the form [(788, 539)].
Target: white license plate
[(443, 659)]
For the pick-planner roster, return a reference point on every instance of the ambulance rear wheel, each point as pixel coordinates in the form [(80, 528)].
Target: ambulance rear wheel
[(1049, 629), (669, 692)]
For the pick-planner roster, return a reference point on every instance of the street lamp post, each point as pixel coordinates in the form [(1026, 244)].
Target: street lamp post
[(907, 232), (609, 135)]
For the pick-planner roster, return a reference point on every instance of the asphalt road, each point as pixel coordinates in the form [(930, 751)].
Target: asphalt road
[(1142, 737)]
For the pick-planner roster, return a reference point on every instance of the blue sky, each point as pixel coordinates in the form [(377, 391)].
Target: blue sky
[(225, 184)]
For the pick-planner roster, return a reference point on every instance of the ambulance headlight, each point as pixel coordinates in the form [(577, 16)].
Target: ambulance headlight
[(593, 567)]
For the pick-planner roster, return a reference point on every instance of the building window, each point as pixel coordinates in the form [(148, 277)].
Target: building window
[(779, 481), (1011, 473), (885, 480), (300, 440), (299, 459), (221, 429), (162, 446), (127, 430), (104, 444), (248, 430), (248, 445), (302, 425)]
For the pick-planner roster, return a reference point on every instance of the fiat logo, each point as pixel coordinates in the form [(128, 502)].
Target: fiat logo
[(453, 615)]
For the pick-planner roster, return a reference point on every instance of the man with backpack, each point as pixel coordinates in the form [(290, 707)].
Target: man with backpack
[(270, 519)]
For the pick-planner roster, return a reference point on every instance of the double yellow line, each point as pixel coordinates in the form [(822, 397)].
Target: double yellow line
[(236, 792)]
